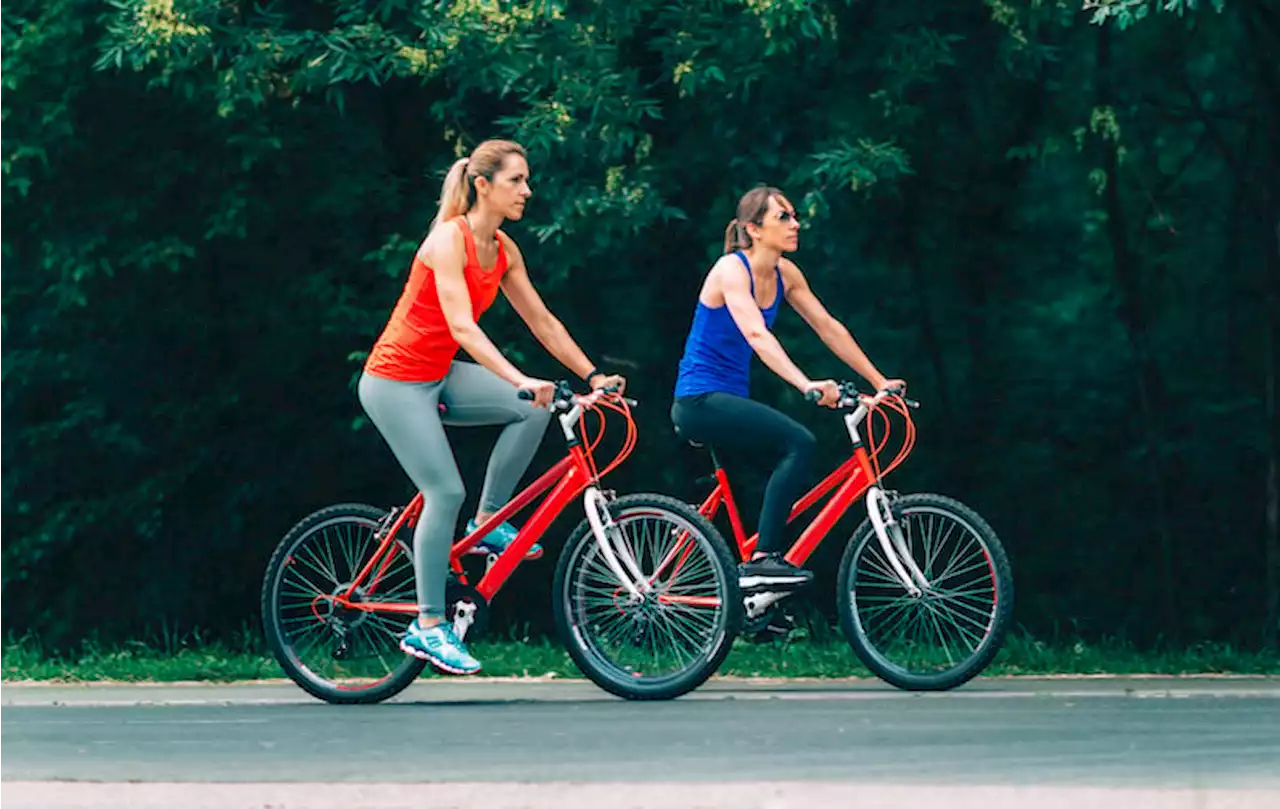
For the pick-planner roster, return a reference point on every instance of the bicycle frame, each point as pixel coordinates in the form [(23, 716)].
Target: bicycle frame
[(850, 481), (566, 481), (852, 478)]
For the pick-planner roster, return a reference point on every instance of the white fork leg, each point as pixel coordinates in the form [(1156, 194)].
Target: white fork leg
[(603, 528), (889, 533)]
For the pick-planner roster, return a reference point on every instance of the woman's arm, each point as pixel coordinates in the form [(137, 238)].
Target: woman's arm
[(546, 327), (832, 331), (447, 262), (736, 289)]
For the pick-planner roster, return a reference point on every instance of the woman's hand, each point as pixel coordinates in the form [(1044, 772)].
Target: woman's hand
[(543, 391), (615, 381), (828, 388)]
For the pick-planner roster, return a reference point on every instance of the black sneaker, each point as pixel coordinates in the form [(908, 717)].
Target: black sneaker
[(772, 572)]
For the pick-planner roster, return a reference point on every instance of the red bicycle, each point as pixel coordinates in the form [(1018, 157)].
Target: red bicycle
[(339, 590), (924, 589)]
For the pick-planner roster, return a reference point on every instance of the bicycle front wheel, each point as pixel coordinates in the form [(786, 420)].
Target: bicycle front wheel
[(946, 634), (670, 641), (340, 655)]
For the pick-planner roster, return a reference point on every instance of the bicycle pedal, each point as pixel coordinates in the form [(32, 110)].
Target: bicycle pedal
[(757, 603)]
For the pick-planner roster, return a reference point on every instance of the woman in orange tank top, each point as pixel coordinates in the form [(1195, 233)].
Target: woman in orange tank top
[(412, 385)]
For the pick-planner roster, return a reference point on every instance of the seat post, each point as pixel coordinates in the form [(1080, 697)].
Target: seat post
[(715, 459)]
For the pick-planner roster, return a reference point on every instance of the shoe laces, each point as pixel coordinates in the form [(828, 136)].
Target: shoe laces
[(447, 629)]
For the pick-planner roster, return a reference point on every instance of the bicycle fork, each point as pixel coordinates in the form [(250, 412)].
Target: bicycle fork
[(613, 546), (893, 544)]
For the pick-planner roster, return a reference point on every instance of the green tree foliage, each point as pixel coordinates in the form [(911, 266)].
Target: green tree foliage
[(1058, 222)]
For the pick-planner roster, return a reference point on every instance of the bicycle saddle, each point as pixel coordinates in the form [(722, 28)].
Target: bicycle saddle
[(692, 443)]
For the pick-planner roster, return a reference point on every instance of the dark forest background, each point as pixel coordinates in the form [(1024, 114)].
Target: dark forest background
[(1060, 223)]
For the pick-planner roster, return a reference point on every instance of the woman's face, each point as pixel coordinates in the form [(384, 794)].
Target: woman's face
[(509, 189), (778, 228)]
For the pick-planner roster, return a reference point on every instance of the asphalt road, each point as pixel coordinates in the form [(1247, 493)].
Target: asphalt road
[(1024, 742)]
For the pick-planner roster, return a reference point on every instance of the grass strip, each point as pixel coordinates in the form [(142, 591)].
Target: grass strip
[(191, 658)]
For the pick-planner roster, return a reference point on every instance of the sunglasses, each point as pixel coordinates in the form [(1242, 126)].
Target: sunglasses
[(784, 217)]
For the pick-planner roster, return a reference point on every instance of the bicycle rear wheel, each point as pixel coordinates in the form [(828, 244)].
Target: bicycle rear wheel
[(950, 632), (337, 654), (671, 641)]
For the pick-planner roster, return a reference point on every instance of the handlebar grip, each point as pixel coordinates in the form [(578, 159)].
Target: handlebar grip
[(813, 395), (900, 393)]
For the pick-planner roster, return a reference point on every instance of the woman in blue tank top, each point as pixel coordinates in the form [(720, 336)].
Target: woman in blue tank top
[(736, 309)]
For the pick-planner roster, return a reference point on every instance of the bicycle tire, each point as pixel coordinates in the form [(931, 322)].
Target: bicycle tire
[(406, 668), (874, 653), (575, 626)]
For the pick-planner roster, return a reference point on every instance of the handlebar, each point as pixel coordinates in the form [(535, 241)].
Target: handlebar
[(565, 397), (850, 395), (563, 392)]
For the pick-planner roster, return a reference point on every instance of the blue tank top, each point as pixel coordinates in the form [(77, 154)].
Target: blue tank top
[(716, 355)]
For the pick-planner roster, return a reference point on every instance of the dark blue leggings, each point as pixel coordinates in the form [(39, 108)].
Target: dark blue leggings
[(726, 420)]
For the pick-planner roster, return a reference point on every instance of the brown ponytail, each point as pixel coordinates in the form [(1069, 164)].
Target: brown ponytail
[(735, 237), (750, 208), (458, 193)]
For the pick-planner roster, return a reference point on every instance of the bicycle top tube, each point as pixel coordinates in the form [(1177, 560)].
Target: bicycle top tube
[(849, 481), (565, 482)]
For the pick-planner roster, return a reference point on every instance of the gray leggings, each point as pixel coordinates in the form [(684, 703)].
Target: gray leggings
[(408, 416)]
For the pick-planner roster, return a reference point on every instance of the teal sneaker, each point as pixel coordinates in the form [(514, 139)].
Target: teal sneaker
[(439, 647), (497, 540)]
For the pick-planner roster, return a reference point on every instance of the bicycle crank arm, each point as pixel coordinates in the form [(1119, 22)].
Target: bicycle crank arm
[(889, 534)]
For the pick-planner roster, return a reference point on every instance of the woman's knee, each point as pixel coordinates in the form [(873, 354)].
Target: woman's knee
[(802, 443), (447, 494)]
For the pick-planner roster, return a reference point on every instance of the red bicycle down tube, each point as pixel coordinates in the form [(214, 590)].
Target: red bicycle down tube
[(518, 502), (573, 483)]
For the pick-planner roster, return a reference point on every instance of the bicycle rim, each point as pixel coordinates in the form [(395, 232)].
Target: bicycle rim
[(336, 653), (949, 631), (669, 642)]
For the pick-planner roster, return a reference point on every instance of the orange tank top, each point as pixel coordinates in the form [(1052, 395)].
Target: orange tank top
[(415, 345)]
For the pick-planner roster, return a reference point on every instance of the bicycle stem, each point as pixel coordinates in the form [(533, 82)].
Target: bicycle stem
[(593, 501), (888, 532)]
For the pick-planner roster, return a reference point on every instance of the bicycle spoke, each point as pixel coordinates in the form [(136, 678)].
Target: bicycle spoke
[(944, 626), (648, 638), (315, 626)]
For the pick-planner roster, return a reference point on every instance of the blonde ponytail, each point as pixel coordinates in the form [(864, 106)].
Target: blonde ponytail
[(458, 194)]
